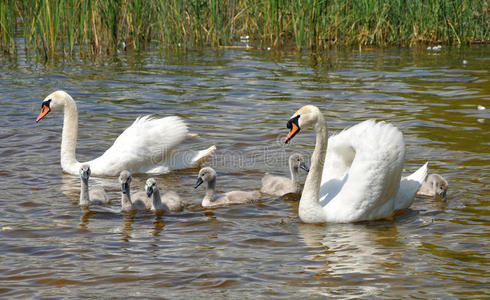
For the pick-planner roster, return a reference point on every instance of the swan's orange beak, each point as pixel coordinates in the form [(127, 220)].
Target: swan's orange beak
[(44, 111), (293, 129)]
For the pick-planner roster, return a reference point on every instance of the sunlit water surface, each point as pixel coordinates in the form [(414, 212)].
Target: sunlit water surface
[(240, 101)]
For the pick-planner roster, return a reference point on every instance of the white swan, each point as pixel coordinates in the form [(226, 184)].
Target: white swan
[(170, 201), (96, 195), (358, 177), (280, 186), (136, 201), (433, 185), (144, 147), (208, 175)]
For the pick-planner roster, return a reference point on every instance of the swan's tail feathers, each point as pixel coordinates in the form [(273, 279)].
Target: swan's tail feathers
[(409, 186), (180, 160), (202, 156), (420, 174)]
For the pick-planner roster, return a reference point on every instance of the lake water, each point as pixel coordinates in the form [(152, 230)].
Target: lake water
[(240, 101)]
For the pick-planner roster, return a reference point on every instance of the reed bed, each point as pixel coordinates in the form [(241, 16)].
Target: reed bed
[(93, 27)]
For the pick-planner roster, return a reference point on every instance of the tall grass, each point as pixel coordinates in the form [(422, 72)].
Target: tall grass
[(93, 27), (7, 25)]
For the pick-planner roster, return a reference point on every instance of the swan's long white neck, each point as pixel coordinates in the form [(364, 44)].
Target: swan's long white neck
[(84, 194), (210, 191), (310, 210), (69, 135)]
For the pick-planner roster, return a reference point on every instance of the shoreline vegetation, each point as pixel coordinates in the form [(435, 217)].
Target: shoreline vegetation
[(46, 28)]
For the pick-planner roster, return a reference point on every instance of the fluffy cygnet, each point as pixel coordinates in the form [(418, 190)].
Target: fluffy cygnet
[(208, 175), (279, 185), (136, 201), (93, 196), (169, 201), (433, 185)]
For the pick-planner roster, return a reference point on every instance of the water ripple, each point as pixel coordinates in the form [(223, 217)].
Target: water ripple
[(240, 100)]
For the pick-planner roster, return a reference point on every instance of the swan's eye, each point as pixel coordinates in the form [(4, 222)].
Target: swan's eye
[(46, 103), (293, 121)]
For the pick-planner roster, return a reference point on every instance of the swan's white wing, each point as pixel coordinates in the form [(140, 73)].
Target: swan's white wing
[(145, 143), (362, 172)]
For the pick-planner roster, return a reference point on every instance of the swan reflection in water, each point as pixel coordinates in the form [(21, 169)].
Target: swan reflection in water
[(353, 259), (127, 228)]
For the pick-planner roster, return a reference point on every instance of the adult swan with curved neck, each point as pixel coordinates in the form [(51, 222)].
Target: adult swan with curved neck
[(144, 147), (356, 174)]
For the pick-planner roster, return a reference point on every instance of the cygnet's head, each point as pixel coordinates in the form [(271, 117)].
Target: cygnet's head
[(84, 171), (205, 174), (125, 181), (297, 160), (150, 186), (438, 184)]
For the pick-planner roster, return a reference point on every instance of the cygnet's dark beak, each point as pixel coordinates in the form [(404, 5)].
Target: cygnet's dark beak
[(149, 191), (85, 175), (124, 187), (443, 194), (198, 182), (303, 166)]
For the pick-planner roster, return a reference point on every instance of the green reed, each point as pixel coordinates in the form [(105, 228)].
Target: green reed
[(93, 27), (7, 25)]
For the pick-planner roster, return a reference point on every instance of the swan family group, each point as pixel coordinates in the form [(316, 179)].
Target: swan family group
[(354, 175)]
